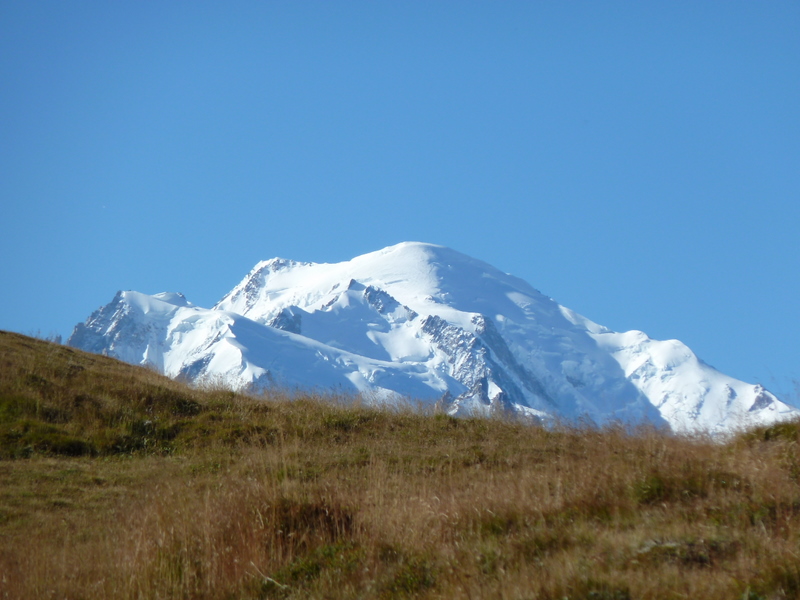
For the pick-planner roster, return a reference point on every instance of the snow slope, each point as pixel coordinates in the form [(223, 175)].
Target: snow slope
[(427, 323)]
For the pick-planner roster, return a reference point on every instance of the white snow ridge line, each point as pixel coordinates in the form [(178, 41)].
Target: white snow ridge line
[(427, 323)]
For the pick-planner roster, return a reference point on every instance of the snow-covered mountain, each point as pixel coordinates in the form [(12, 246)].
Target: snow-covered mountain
[(424, 322)]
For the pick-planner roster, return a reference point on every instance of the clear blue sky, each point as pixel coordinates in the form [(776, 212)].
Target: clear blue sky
[(637, 161)]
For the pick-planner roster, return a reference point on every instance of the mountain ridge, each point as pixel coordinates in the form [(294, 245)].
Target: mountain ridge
[(423, 321)]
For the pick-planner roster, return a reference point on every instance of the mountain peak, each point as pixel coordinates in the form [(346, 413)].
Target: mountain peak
[(423, 321)]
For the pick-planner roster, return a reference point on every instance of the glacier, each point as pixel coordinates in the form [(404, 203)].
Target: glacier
[(418, 322)]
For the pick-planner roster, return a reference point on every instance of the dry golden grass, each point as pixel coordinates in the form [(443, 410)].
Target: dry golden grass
[(118, 483)]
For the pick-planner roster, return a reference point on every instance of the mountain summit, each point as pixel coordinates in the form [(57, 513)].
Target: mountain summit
[(428, 323)]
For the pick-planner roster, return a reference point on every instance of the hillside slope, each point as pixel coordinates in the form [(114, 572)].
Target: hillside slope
[(117, 483)]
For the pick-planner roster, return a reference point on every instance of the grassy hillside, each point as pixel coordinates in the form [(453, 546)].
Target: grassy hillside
[(116, 482)]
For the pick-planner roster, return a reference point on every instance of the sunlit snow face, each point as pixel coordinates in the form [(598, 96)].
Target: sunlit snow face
[(425, 322)]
